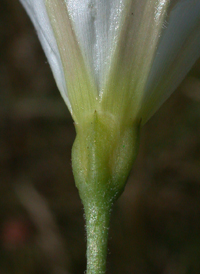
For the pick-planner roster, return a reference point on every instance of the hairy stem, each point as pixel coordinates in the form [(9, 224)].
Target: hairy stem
[(97, 226)]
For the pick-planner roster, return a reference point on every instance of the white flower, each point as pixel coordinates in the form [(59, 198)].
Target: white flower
[(119, 56)]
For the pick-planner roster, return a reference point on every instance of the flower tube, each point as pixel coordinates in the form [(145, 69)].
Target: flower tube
[(115, 62)]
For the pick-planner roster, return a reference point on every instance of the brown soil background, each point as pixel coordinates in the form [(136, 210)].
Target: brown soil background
[(155, 225)]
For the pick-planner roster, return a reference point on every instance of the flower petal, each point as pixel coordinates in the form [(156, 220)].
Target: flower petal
[(178, 49), (80, 84), (37, 11), (134, 49), (96, 25)]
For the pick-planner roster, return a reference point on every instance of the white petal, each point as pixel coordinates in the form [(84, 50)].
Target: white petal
[(113, 34), (134, 49), (80, 85), (37, 12), (129, 55), (96, 24), (179, 48), (114, 43)]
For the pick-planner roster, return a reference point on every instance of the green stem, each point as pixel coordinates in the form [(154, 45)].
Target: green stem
[(97, 226)]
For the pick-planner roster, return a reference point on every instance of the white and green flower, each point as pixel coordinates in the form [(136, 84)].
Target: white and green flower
[(115, 62), (117, 55)]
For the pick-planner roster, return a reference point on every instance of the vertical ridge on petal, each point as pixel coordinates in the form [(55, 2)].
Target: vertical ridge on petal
[(141, 27), (81, 88)]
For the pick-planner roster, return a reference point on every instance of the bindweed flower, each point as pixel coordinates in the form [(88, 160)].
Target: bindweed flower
[(115, 62), (128, 55)]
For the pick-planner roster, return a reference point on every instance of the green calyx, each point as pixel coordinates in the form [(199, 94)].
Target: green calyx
[(102, 157)]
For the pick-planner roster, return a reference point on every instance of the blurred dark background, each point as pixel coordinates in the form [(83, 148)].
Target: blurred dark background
[(155, 226)]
